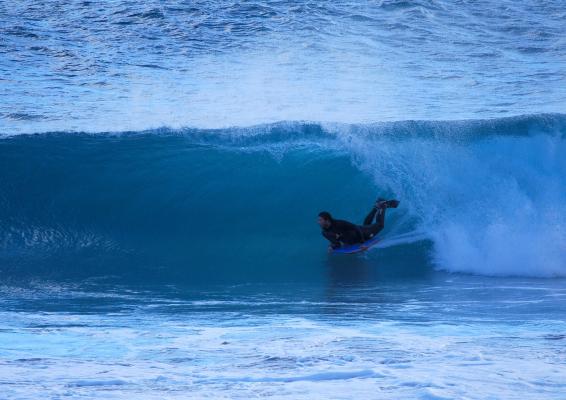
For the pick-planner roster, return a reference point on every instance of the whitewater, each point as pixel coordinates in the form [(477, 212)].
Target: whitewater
[(162, 166)]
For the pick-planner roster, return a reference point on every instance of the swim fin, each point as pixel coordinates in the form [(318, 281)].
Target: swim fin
[(392, 203), (388, 203)]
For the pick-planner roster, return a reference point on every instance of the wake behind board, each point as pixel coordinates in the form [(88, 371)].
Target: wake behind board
[(357, 248)]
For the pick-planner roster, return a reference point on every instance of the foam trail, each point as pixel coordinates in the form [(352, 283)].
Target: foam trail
[(401, 239)]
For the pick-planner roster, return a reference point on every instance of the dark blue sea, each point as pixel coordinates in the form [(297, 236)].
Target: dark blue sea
[(162, 165)]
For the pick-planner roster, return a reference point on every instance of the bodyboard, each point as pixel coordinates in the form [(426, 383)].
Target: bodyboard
[(357, 248)]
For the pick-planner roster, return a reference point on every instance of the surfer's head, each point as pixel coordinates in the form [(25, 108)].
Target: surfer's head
[(324, 219)]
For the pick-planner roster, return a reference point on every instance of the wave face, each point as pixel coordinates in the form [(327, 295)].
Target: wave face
[(482, 197)]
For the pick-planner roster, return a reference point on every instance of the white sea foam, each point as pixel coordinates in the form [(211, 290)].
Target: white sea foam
[(277, 357), (491, 205)]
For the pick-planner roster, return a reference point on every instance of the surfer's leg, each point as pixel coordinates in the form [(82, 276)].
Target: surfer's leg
[(369, 218), (380, 204), (373, 229), (379, 220)]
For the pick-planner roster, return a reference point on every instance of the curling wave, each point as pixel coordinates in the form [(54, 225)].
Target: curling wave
[(239, 204)]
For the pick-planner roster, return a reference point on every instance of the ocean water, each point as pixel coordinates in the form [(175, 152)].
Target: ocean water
[(162, 166)]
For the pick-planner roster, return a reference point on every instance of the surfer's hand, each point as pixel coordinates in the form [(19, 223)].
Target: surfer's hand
[(330, 249)]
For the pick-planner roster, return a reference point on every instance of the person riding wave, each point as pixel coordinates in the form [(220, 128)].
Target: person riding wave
[(340, 232)]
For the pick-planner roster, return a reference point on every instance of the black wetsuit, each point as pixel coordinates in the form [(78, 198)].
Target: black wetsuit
[(343, 232)]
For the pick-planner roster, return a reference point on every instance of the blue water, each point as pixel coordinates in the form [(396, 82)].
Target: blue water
[(128, 65), (162, 166)]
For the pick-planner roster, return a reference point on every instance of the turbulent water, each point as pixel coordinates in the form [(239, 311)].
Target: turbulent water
[(162, 166)]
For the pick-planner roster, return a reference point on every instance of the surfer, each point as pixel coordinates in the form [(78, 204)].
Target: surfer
[(340, 232)]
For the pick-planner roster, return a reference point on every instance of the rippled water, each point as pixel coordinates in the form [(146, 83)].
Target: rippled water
[(122, 65)]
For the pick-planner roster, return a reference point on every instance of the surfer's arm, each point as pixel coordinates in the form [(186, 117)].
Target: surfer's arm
[(333, 239)]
